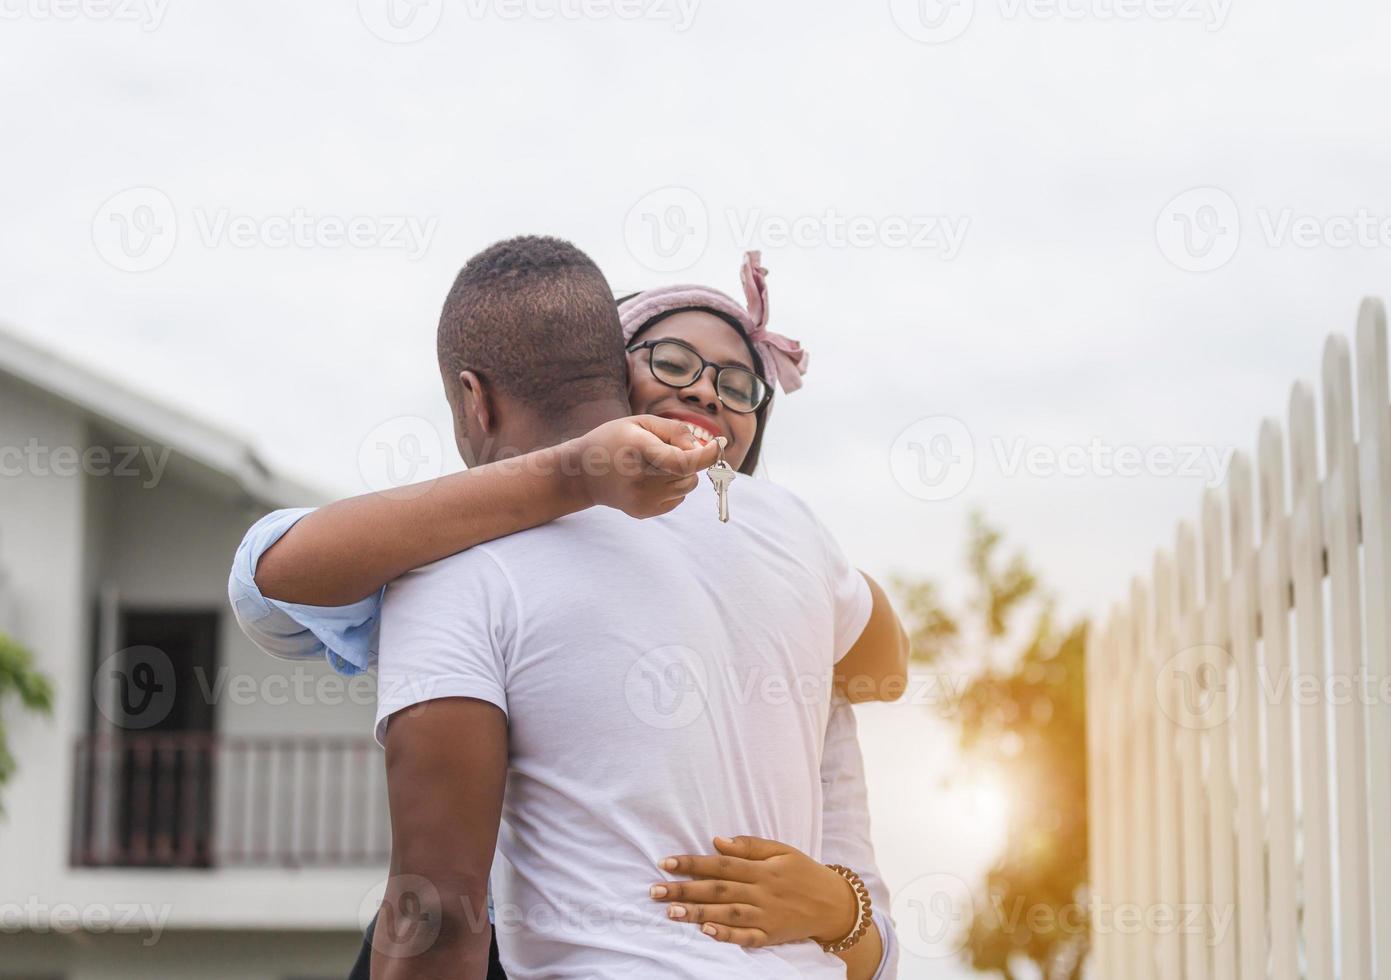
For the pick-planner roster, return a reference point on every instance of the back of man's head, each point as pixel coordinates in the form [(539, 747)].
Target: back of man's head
[(534, 317)]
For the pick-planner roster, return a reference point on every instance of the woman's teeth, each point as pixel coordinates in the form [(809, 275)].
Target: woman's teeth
[(701, 435)]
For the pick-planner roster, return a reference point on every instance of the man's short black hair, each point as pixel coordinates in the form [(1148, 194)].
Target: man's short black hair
[(535, 316)]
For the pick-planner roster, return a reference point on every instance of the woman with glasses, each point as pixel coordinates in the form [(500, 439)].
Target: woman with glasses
[(701, 360)]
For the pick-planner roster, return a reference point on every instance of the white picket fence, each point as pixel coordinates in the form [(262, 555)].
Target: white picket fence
[(1239, 731)]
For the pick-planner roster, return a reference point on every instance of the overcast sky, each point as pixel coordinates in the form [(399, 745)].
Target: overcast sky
[(1009, 231)]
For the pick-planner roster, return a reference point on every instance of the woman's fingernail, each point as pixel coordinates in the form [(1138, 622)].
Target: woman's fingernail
[(667, 864), (676, 911), (658, 891), (708, 929), (723, 840)]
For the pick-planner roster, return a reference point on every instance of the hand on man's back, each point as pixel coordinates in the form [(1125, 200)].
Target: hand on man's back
[(643, 465)]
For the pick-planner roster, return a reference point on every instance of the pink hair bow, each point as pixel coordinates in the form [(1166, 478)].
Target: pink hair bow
[(784, 356)]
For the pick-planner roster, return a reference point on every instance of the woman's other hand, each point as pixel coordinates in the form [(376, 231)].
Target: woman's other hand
[(758, 892)]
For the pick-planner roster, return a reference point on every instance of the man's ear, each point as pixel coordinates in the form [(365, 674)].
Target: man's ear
[(477, 407)]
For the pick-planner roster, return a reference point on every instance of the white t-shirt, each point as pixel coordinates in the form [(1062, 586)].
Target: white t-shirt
[(664, 681)]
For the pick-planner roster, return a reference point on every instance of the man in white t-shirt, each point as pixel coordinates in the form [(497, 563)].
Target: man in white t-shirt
[(657, 680), (596, 694)]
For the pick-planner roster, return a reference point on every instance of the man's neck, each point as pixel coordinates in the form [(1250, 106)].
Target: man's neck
[(538, 433), (584, 417)]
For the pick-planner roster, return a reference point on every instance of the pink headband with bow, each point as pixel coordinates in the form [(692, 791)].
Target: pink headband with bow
[(783, 359)]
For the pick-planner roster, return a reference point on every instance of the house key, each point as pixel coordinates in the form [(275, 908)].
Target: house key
[(721, 475)]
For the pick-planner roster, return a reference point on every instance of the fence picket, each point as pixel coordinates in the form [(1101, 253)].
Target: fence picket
[(1168, 778), (1098, 763), (1250, 833), (1196, 881), (1349, 735), (1131, 945), (1143, 774), (1115, 744), (1274, 564), (1374, 455), (1306, 562), (1221, 797)]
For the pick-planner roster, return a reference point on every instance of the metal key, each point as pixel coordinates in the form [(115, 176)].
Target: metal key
[(721, 476)]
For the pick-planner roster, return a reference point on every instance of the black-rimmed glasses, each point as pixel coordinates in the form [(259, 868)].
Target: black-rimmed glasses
[(679, 365)]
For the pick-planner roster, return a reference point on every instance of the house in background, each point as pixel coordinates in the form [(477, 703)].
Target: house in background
[(192, 808)]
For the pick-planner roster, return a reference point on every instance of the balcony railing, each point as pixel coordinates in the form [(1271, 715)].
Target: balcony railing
[(194, 800)]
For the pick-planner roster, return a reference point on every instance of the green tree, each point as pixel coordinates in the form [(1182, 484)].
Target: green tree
[(1022, 714), (18, 675)]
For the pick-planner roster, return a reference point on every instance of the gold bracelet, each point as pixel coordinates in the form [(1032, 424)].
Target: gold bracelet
[(864, 906)]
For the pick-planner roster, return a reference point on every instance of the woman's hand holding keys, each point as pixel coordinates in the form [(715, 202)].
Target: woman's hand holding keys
[(642, 465)]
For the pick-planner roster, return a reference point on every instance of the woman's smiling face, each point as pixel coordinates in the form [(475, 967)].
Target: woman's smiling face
[(717, 342)]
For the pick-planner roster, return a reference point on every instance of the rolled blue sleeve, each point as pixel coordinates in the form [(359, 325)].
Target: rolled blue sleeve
[(344, 636)]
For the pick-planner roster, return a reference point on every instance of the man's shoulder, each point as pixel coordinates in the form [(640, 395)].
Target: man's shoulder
[(469, 567), (521, 549)]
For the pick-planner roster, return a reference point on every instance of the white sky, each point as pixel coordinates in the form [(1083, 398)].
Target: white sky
[(1054, 133)]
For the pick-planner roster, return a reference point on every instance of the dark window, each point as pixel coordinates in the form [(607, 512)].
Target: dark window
[(149, 765)]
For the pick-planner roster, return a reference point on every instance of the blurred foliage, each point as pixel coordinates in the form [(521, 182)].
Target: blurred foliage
[(18, 675), (1020, 715)]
